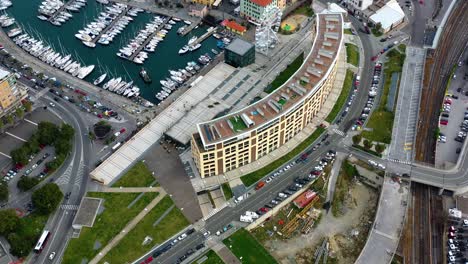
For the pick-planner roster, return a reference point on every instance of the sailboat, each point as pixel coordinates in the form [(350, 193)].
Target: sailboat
[(100, 79)]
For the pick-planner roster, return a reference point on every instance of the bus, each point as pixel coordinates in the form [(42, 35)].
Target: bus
[(42, 241)]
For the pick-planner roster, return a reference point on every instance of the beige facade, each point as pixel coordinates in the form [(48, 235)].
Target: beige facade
[(237, 139), (204, 2), (10, 92)]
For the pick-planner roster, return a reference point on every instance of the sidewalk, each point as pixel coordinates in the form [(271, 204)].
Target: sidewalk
[(335, 172), (225, 254), (128, 228), (130, 189)]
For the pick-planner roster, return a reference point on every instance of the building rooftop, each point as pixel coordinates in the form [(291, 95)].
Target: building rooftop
[(301, 85), (262, 2), (87, 212), (239, 46), (3, 73), (388, 14), (233, 25)]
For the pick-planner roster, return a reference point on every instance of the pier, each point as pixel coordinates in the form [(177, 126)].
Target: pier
[(204, 36), (189, 28), (60, 10), (111, 24), (148, 39)]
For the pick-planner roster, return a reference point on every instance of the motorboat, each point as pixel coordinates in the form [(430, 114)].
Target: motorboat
[(192, 40), (184, 49), (89, 44), (144, 74), (100, 79), (194, 47)]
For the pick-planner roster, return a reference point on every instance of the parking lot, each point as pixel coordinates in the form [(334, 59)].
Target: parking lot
[(457, 241), (453, 121)]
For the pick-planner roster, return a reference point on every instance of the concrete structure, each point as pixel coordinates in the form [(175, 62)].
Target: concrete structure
[(198, 10), (204, 2), (87, 212), (253, 9), (237, 139), (389, 16), (304, 199), (11, 93), (239, 53), (358, 5)]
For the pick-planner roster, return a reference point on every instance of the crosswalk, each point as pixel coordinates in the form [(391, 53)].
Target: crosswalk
[(400, 161), (72, 207), (215, 211), (339, 132)]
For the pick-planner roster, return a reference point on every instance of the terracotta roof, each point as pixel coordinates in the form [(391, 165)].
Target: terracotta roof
[(305, 198), (262, 2), (233, 25)]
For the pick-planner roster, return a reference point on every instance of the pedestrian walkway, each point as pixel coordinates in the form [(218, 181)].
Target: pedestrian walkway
[(72, 207), (225, 254), (406, 113), (335, 171), (127, 228), (131, 189)]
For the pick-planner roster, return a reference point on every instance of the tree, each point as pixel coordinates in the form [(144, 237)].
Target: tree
[(47, 198), (1, 125), (3, 192), (378, 26), (8, 221), (67, 131), (18, 246), (10, 119), (19, 112), (380, 148), (28, 106), (367, 144), (19, 155), (47, 132), (26, 183), (357, 139)]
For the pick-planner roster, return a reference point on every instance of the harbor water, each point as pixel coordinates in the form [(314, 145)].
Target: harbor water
[(157, 65)]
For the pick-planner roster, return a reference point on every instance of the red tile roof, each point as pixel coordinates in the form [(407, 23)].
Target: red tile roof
[(262, 2), (305, 198), (233, 25)]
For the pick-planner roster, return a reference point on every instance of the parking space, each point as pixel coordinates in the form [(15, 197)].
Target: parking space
[(457, 241), (453, 121)]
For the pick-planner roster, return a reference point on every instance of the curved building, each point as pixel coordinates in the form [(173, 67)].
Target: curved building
[(239, 138)]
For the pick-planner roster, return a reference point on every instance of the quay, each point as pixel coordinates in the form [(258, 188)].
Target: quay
[(60, 10), (189, 28), (148, 39), (111, 24), (204, 36)]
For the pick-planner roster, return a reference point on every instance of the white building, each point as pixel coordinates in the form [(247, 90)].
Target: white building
[(358, 5), (389, 16)]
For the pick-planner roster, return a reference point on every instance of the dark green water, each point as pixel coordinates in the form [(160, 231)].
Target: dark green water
[(158, 63)]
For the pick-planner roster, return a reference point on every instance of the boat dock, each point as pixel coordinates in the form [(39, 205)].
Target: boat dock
[(148, 39), (189, 28), (111, 24), (60, 10), (204, 36)]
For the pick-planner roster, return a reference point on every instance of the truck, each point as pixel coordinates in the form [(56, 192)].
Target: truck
[(246, 219)]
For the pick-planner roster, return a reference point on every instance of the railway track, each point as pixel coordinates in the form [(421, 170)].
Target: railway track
[(421, 229), (453, 40)]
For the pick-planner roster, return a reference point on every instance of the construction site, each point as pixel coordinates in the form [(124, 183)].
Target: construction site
[(312, 234)]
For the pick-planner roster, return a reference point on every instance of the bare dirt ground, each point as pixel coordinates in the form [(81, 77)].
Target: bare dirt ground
[(347, 234)]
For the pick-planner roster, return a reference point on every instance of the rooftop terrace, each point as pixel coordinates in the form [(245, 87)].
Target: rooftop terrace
[(300, 86)]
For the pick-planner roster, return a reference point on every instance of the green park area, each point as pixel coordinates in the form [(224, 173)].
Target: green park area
[(352, 54), (253, 177), (285, 74), (348, 31), (304, 10), (162, 222), (244, 246), (347, 85), (381, 120), (227, 190), (138, 176), (237, 123)]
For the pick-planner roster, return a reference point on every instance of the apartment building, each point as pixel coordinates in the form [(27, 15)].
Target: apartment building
[(253, 9), (239, 138), (11, 93), (358, 5), (204, 2)]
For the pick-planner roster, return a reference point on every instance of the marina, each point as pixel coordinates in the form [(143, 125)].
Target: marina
[(107, 65), (57, 12)]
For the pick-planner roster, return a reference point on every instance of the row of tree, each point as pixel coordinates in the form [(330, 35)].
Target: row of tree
[(47, 134), (23, 233)]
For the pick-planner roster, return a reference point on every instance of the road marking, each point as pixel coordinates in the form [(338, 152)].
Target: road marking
[(29, 121), (3, 154), (10, 134), (69, 207)]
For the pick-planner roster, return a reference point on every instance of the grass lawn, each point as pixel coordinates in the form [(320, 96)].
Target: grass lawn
[(107, 224), (352, 54), (130, 247), (244, 245), (238, 125), (303, 10), (347, 172), (284, 75), (348, 31), (402, 48), (137, 176), (381, 120), (227, 190), (348, 83), (253, 177), (213, 258)]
